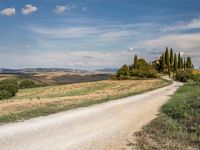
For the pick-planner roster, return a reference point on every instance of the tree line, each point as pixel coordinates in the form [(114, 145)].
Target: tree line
[(170, 62)]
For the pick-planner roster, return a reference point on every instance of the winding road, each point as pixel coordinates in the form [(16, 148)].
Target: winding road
[(104, 126)]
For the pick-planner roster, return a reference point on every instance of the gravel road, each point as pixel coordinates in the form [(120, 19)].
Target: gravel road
[(104, 126)]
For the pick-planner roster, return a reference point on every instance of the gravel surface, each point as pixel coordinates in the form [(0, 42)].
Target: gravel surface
[(103, 127)]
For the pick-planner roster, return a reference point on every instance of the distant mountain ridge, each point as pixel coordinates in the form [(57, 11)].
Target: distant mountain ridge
[(32, 70), (107, 70)]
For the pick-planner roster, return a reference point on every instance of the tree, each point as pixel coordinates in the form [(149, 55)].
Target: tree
[(167, 56), (171, 59), (123, 71), (181, 65), (135, 61), (175, 63), (184, 64), (26, 84), (163, 64), (142, 64), (179, 60), (169, 71), (189, 62)]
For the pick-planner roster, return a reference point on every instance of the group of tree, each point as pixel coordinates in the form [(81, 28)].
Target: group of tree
[(9, 87), (139, 68), (170, 62)]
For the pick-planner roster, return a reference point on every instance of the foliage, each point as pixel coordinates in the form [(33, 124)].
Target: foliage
[(27, 84), (135, 65), (123, 71), (178, 125), (167, 57), (171, 58), (149, 73), (8, 88), (187, 74), (4, 95), (11, 88), (185, 108), (9, 81), (175, 63), (140, 68)]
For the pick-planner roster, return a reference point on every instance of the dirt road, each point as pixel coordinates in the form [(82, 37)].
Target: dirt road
[(103, 127)]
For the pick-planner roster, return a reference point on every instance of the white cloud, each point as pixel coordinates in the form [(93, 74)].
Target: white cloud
[(100, 33), (67, 59), (8, 12), (27, 46), (63, 33), (84, 9), (194, 24), (29, 9), (61, 9), (177, 41)]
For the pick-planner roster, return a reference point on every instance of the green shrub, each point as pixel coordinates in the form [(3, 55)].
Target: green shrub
[(123, 71), (183, 75), (9, 81), (26, 84), (4, 95), (186, 75), (11, 88), (149, 73)]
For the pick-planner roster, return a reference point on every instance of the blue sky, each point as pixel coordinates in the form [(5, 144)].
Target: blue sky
[(93, 34)]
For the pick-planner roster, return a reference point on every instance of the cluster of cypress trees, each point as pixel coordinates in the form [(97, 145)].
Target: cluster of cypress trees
[(171, 62)]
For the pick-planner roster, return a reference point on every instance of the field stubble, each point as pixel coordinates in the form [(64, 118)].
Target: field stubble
[(42, 101)]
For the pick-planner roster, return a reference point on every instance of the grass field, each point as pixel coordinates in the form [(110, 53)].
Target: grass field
[(178, 125), (41, 101)]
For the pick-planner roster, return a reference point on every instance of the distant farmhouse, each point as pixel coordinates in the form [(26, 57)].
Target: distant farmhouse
[(156, 62)]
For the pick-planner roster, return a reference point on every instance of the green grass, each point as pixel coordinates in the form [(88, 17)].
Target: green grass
[(178, 125), (44, 110), (62, 93)]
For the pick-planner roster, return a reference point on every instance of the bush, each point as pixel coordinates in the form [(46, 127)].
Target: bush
[(26, 84), (9, 81), (11, 88), (186, 75), (123, 71), (4, 95), (149, 73)]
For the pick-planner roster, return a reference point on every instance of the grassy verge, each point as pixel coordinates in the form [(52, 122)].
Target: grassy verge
[(36, 102), (178, 125)]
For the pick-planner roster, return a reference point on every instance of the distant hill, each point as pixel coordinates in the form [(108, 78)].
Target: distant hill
[(107, 70), (32, 70)]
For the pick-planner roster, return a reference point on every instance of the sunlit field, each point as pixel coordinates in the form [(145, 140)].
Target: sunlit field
[(46, 100)]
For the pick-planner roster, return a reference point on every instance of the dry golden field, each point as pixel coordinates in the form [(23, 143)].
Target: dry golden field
[(46, 100), (196, 71)]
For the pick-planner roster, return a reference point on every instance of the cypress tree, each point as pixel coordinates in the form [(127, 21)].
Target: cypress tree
[(163, 64), (181, 65), (135, 61), (184, 64), (187, 63), (175, 63), (169, 71), (167, 57), (179, 60), (171, 59)]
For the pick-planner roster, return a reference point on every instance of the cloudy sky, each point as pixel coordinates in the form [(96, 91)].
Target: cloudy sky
[(93, 34)]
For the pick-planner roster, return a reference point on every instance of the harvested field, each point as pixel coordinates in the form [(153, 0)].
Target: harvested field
[(46, 100), (55, 78)]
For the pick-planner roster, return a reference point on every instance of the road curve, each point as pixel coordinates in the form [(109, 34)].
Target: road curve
[(103, 127)]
